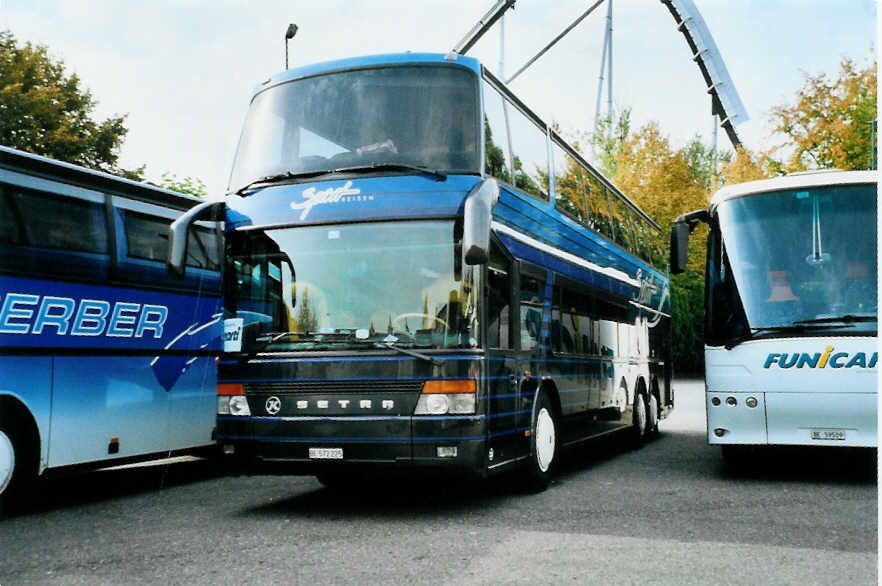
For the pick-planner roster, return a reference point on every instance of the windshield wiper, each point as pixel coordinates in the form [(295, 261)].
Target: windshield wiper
[(393, 346), (848, 318), (286, 175), (391, 167), (797, 328), (275, 337), (279, 177)]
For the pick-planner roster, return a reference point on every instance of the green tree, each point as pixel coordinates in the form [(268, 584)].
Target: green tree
[(189, 185), (830, 125), (665, 182), (307, 320), (45, 111)]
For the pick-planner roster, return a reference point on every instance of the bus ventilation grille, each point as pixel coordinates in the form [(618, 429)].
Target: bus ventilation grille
[(332, 386)]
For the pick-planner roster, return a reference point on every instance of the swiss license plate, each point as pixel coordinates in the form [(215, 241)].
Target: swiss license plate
[(325, 453), (828, 434)]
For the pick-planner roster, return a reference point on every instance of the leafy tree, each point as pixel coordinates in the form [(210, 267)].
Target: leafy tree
[(748, 166), (666, 182), (606, 141), (307, 319), (46, 112), (189, 185), (831, 123)]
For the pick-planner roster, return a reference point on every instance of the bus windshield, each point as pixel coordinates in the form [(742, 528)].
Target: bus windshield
[(802, 257), (424, 116), (353, 286)]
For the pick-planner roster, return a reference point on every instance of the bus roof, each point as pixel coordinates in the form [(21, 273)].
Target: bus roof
[(369, 61), (793, 181), (21, 161)]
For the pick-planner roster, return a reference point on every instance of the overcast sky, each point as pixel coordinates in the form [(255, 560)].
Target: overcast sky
[(183, 71)]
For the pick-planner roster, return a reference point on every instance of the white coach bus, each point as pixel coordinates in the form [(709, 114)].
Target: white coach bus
[(790, 310)]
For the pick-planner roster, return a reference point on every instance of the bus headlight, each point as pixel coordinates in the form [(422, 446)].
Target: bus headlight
[(751, 402), (239, 406), (231, 400), (447, 397)]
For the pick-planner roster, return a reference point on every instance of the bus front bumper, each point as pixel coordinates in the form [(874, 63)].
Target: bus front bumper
[(797, 418), (308, 445)]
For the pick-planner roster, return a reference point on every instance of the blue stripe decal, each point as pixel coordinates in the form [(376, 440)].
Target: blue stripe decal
[(356, 359), (338, 440), (388, 440), (360, 379)]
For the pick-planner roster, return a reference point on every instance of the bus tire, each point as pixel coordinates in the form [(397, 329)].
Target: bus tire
[(653, 415), (18, 466), (544, 444), (640, 419)]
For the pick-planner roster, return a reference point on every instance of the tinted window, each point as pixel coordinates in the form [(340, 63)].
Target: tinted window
[(49, 235), (61, 222), (411, 115), (532, 294), (147, 238), (498, 300), (10, 226)]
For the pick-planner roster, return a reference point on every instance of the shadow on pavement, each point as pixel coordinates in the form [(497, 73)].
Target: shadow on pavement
[(801, 464), (83, 488)]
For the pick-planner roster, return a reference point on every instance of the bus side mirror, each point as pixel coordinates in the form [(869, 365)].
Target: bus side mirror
[(680, 230), (179, 231), (477, 216)]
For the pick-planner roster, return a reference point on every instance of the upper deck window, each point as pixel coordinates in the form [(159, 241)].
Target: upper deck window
[(409, 115)]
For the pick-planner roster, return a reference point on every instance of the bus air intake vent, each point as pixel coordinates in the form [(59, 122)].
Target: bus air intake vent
[(332, 386)]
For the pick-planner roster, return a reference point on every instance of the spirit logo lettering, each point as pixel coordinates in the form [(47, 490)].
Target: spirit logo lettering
[(312, 198)]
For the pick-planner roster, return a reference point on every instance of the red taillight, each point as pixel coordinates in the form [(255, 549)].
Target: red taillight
[(230, 390)]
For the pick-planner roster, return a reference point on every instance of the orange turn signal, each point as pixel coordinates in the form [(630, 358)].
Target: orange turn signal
[(432, 387), (230, 389)]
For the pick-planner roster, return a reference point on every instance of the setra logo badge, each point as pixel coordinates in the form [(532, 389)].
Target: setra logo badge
[(273, 405)]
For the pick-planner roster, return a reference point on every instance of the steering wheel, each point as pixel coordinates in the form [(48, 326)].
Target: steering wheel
[(422, 316)]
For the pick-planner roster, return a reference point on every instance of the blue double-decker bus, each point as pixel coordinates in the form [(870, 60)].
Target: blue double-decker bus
[(105, 358), (420, 272)]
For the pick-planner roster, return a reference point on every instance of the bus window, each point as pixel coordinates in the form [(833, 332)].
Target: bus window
[(532, 295), (496, 155), (569, 194), (598, 203), (10, 228), (55, 235), (498, 300), (63, 224), (146, 236), (529, 146)]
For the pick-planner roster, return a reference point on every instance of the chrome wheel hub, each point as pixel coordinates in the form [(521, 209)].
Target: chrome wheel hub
[(545, 439)]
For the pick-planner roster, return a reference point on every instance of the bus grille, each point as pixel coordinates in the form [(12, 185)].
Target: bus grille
[(331, 386)]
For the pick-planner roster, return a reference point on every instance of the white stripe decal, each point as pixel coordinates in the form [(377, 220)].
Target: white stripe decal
[(571, 258)]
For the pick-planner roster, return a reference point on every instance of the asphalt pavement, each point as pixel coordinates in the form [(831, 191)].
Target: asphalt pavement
[(667, 513)]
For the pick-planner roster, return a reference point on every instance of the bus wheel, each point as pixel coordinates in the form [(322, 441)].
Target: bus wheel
[(544, 446), (17, 468), (652, 408), (640, 424)]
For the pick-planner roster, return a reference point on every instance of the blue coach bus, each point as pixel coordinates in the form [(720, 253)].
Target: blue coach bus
[(104, 357), (420, 272)]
